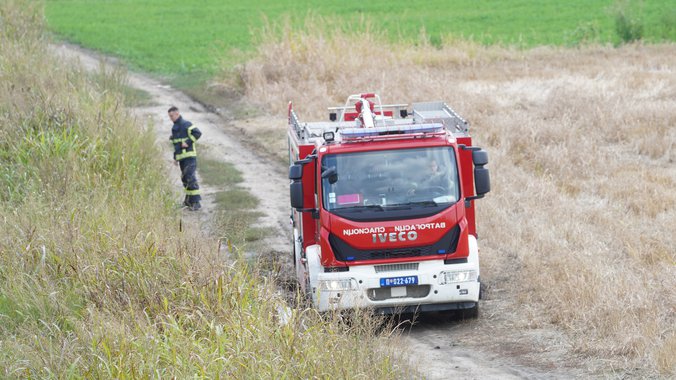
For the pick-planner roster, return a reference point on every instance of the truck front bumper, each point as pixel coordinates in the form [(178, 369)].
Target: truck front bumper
[(438, 286)]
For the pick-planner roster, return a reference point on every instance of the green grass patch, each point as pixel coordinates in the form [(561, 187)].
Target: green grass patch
[(218, 173), (236, 199), (240, 226), (235, 216), (189, 41), (114, 80), (10, 314), (135, 97)]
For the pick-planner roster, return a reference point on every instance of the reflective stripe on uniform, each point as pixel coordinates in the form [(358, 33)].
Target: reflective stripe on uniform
[(185, 154), (190, 133), (192, 192), (176, 141)]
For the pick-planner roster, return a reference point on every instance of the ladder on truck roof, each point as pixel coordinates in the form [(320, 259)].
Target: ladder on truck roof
[(424, 116), (440, 112)]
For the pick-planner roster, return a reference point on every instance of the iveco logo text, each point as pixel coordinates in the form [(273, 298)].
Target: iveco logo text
[(365, 230), (395, 237)]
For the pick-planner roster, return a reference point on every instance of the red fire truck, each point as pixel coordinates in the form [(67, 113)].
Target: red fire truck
[(382, 201)]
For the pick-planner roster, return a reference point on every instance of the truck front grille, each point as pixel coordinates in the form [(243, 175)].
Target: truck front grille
[(396, 267), (345, 252), (412, 291)]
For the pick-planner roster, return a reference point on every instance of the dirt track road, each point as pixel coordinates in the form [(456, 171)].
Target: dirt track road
[(261, 178), (481, 349)]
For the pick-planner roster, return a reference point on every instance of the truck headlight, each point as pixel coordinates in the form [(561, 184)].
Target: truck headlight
[(449, 277), (336, 285)]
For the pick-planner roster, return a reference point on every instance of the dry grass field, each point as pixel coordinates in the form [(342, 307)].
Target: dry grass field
[(580, 228)]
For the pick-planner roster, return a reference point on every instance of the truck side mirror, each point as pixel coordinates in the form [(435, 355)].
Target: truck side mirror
[(296, 190), (482, 180), (296, 172), (480, 157), (296, 187)]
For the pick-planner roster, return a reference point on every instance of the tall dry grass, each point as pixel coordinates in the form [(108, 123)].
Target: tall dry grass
[(581, 224), (97, 279)]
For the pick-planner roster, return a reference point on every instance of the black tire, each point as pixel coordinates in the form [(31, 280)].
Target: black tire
[(471, 313), (461, 314)]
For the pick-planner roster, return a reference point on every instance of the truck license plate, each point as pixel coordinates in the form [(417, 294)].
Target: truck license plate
[(398, 281)]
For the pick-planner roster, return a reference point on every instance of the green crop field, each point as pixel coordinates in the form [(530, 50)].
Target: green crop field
[(180, 38)]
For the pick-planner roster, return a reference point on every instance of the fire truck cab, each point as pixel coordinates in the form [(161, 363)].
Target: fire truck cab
[(382, 201)]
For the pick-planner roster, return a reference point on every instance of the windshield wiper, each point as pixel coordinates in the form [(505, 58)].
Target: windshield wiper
[(398, 206), (361, 208), (410, 205), (418, 203)]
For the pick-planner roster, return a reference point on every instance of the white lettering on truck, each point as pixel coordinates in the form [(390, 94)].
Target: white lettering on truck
[(406, 232), (362, 231), (420, 226), (394, 237)]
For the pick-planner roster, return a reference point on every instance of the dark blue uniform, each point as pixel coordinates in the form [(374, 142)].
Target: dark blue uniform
[(184, 132)]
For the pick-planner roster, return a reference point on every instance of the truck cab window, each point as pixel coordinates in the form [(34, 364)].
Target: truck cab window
[(392, 179)]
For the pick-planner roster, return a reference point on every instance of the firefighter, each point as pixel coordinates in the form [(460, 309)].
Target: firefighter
[(183, 136)]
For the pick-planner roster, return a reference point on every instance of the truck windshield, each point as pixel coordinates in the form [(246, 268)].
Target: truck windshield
[(389, 180)]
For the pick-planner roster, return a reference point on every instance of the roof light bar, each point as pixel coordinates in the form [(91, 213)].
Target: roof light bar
[(359, 133)]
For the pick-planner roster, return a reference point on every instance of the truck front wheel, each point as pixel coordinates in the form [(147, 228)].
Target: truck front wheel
[(471, 313)]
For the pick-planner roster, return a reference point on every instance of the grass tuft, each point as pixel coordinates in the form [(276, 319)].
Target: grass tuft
[(218, 173), (629, 25)]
